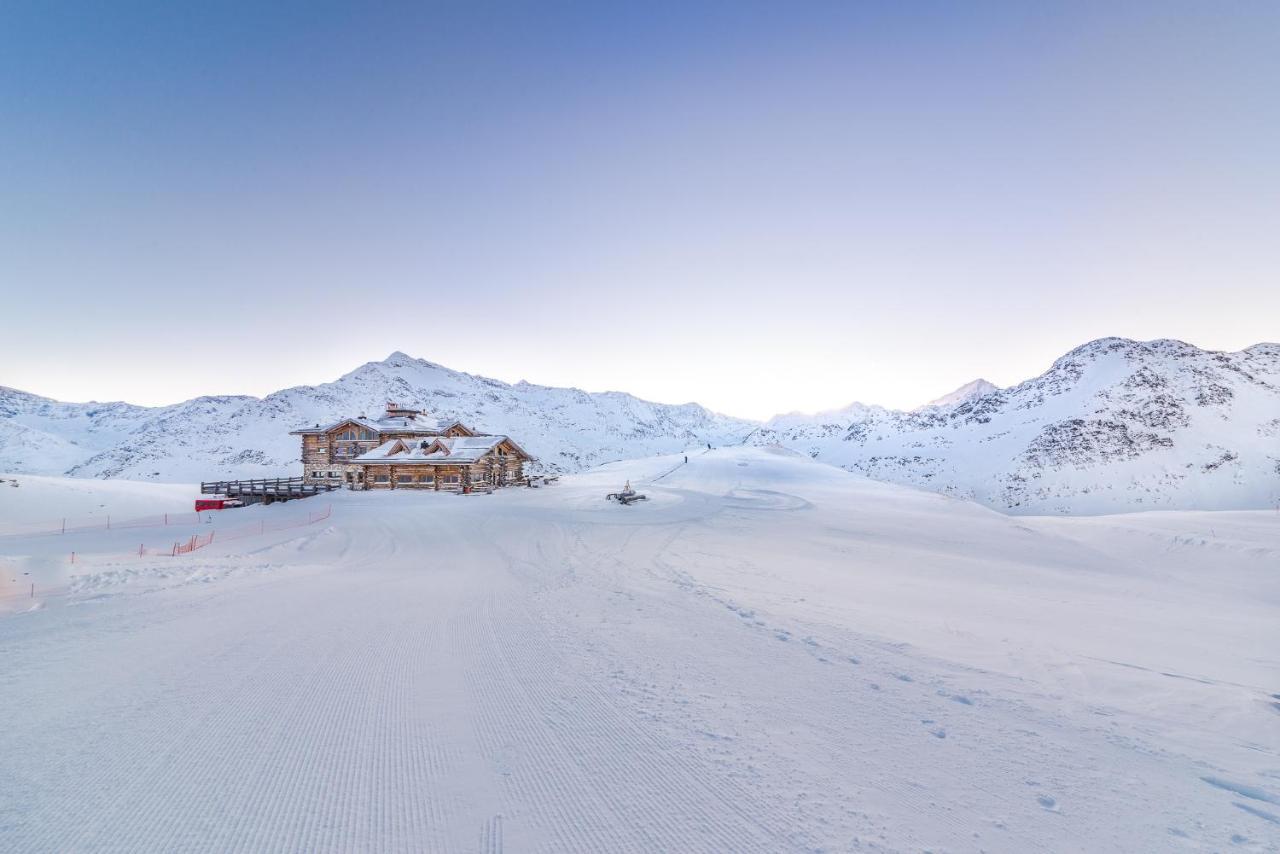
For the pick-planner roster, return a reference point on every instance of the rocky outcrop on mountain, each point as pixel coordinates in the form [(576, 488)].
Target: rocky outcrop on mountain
[(1113, 425)]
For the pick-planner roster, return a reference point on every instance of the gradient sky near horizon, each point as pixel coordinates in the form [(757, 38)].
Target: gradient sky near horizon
[(760, 207)]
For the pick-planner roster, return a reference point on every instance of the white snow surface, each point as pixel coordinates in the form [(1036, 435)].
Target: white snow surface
[(222, 437), (1113, 426), (36, 500), (768, 655)]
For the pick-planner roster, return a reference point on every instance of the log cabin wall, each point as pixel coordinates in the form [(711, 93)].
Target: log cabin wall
[(444, 478), (327, 458)]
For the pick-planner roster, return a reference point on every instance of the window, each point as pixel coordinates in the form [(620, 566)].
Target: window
[(381, 478), (335, 474), (450, 478), (404, 478), (426, 478)]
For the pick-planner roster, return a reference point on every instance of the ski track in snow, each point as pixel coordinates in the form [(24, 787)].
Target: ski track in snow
[(770, 655)]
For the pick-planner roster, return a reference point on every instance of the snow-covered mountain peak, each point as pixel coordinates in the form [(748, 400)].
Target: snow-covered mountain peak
[(976, 388), (208, 437)]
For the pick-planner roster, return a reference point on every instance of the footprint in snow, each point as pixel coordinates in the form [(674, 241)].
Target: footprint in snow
[(1047, 802)]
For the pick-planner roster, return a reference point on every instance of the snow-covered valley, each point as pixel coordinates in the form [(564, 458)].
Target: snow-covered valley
[(769, 655)]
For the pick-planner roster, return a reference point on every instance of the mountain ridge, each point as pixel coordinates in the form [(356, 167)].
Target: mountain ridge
[(1114, 424), (242, 436)]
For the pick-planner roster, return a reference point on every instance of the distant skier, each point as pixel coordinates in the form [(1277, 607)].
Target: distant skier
[(708, 446), (686, 458)]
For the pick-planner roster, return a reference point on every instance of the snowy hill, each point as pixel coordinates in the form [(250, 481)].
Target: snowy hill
[(238, 436), (768, 655), (1113, 425)]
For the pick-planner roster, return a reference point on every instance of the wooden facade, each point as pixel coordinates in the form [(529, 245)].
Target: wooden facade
[(406, 450), (501, 466)]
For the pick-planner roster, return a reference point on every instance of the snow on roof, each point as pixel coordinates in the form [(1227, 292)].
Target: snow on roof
[(410, 422), (417, 424), (458, 443), (460, 449), (382, 451), (363, 422)]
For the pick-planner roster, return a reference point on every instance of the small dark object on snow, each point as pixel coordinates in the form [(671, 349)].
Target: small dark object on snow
[(626, 496)]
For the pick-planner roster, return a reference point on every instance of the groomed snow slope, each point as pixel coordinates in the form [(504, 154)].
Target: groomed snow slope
[(769, 655)]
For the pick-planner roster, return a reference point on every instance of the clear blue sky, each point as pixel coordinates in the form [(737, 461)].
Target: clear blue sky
[(759, 207)]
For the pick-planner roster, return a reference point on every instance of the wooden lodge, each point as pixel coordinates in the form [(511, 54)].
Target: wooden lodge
[(405, 449)]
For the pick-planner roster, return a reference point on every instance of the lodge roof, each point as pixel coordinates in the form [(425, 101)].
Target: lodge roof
[(416, 422), (443, 449), (418, 425)]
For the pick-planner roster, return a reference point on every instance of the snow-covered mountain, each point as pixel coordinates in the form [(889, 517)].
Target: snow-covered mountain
[(968, 391), (238, 436), (1114, 425)]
